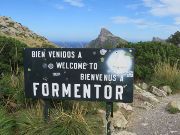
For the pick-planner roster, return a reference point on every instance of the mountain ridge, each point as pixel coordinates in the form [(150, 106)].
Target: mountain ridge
[(11, 28), (106, 40)]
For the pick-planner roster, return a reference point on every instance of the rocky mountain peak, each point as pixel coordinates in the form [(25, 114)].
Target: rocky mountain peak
[(157, 39), (105, 32), (106, 39)]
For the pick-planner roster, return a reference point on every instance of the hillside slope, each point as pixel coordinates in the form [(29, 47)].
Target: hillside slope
[(10, 28)]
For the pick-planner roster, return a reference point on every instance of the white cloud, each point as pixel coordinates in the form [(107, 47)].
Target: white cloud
[(134, 6), (177, 20), (120, 19), (145, 24), (126, 20), (165, 27), (59, 7), (163, 7), (75, 3)]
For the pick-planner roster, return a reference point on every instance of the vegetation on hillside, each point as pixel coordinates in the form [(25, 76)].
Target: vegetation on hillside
[(175, 39), (26, 114), (156, 62), (166, 74), (11, 28), (149, 54), (11, 55)]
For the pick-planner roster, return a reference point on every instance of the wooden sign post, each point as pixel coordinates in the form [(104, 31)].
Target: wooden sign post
[(79, 74)]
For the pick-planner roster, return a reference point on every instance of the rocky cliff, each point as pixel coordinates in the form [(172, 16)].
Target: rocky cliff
[(106, 40)]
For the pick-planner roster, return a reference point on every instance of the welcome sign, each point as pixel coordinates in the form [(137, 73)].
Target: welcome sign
[(79, 74)]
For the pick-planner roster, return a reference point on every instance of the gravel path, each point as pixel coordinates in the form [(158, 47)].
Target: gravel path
[(156, 121)]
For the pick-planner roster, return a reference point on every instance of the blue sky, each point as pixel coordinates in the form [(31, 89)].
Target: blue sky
[(81, 20)]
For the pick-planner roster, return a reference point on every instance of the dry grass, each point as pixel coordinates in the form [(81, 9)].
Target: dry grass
[(167, 74)]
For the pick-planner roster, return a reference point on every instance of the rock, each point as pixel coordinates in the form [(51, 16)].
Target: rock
[(146, 96), (146, 105), (124, 133), (144, 124), (126, 110), (137, 88), (12, 104), (157, 39), (9, 27), (119, 121), (174, 106), (143, 86), (125, 106), (106, 39), (101, 111), (166, 89), (158, 92)]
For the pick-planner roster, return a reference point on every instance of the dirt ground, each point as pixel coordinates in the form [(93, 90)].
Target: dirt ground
[(156, 121)]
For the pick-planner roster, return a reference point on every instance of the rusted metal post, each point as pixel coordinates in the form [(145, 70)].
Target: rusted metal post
[(109, 114)]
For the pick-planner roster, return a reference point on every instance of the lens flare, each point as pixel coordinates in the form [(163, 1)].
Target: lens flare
[(119, 62)]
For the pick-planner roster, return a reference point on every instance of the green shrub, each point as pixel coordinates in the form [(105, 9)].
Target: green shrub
[(174, 38), (7, 123), (173, 110), (148, 54), (166, 74), (12, 90)]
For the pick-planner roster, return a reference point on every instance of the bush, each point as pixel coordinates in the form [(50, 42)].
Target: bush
[(174, 38), (12, 91), (6, 123), (148, 54), (165, 74), (173, 110)]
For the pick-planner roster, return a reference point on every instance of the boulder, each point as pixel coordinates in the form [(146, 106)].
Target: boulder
[(137, 88), (173, 106), (146, 96), (158, 92), (125, 106), (126, 109), (124, 133), (143, 86), (166, 89), (119, 121)]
